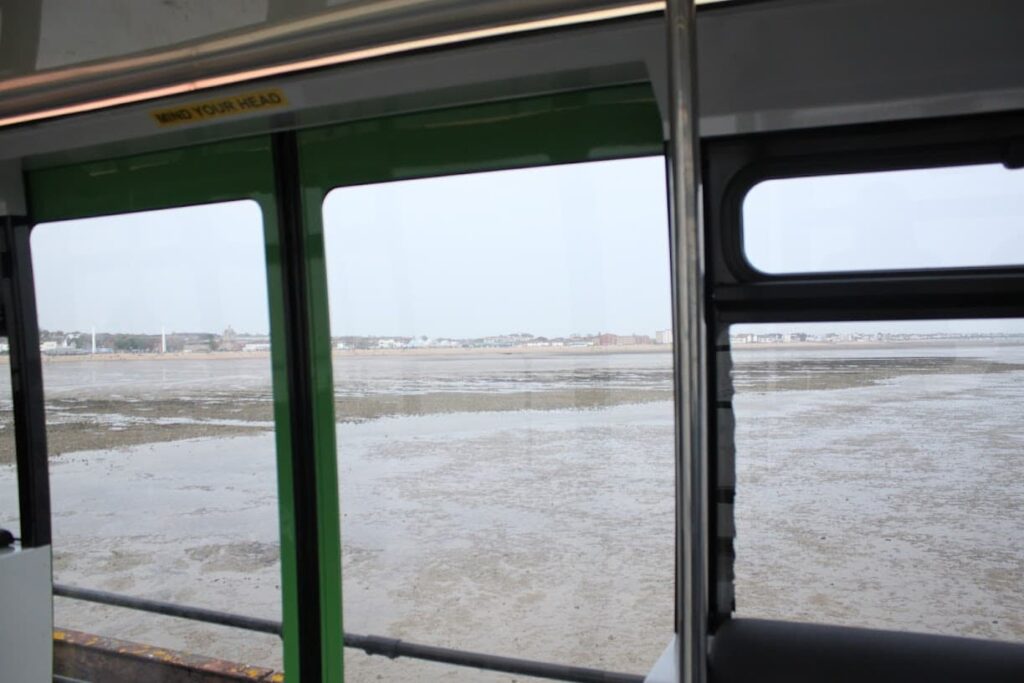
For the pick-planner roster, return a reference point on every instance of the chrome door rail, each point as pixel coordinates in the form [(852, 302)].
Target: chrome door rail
[(687, 255)]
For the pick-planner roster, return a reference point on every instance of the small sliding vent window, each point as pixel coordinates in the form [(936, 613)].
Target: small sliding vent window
[(966, 216)]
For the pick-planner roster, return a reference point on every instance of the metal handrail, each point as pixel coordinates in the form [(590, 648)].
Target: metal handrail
[(168, 609), (392, 648)]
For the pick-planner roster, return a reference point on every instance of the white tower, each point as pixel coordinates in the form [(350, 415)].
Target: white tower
[(94, 340), (163, 340)]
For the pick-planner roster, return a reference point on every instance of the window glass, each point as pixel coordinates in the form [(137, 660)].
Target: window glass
[(893, 220), (154, 334), (10, 518), (504, 394), (880, 479)]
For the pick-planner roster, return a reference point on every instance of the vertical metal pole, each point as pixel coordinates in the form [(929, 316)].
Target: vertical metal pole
[(688, 262)]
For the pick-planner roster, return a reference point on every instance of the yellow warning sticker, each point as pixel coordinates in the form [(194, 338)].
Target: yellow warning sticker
[(207, 110)]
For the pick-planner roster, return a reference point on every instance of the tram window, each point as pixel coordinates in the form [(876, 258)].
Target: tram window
[(154, 330), (880, 479), (503, 378), (893, 220), (9, 514)]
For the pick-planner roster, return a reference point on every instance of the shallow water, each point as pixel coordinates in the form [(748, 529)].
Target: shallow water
[(896, 501), (540, 533), (876, 487), (545, 535)]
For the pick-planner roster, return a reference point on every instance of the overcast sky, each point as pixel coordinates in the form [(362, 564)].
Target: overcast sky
[(551, 251), (943, 217), (193, 269)]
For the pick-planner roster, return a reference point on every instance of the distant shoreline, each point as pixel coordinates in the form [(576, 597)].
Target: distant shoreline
[(107, 357), (357, 353), (506, 351), (875, 345), (532, 350)]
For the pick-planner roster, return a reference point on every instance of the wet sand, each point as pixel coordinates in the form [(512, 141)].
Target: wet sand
[(522, 505), (91, 406), (827, 374), (93, 424), (544, 536), (490, 503), (882, 489)]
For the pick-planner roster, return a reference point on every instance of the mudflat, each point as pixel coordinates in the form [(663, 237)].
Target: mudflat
[(522, 504)]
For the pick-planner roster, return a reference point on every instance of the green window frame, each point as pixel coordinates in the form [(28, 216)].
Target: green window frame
[(569, 127), (240, 169)]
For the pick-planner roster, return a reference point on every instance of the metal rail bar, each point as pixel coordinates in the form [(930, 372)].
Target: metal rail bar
[(690, 351), (208, 616), (392, 648)]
